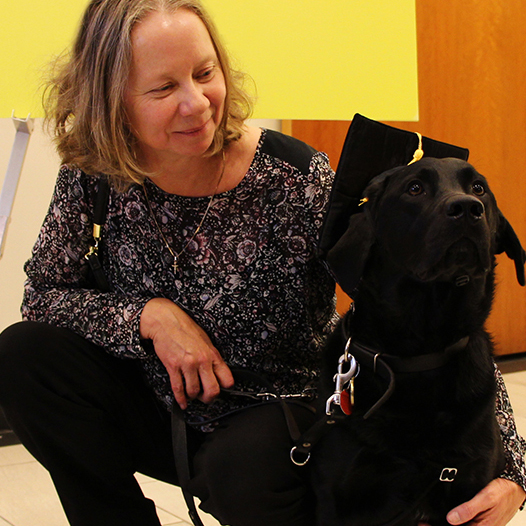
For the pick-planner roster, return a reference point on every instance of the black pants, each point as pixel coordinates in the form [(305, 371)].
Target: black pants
[(91, 421)]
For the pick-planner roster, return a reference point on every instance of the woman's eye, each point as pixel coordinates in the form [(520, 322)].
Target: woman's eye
[(415, 188), (206, 74), (162, 89), (478, 189)]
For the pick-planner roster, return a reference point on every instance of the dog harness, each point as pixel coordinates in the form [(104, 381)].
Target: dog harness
[(355, 356)]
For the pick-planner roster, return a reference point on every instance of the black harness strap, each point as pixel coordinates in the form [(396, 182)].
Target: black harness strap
[(386, 365), (300, 453)]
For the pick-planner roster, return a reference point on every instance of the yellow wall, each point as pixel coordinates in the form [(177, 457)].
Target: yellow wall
[(310, 59)]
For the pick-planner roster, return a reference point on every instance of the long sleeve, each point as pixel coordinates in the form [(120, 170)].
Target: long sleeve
[(514, 444), (59, 289)]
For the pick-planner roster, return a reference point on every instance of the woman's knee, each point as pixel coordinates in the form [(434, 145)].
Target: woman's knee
[(29, 351), (18, 344)]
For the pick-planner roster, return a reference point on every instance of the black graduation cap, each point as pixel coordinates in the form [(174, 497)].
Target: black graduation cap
[(370, 149)]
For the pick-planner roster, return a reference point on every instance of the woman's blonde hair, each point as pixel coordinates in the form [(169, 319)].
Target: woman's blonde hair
[(84, 101)]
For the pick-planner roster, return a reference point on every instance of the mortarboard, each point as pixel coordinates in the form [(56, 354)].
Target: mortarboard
[(370, 149)]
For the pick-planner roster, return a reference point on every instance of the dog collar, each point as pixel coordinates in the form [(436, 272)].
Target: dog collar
[(387, 366)]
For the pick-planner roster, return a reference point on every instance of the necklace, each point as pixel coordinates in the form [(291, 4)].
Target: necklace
[(177, 255)]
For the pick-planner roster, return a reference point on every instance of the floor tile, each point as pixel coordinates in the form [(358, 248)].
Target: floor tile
[(18, 454), (28, 497), (170, 499), (519, 519)]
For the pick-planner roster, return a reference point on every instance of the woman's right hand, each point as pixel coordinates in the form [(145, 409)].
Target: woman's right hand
[(186, 351)]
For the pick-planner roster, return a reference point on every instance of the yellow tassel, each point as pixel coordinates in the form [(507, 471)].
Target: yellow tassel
[(419, 153)]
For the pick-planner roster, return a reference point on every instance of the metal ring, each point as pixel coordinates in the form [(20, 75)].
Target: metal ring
[(346, 352), (376, 358), (296, 462)]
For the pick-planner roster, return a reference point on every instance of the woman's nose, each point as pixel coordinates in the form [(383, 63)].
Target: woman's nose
[(193, 101)]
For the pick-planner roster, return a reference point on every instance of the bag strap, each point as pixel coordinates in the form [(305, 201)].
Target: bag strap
[(99, 217)]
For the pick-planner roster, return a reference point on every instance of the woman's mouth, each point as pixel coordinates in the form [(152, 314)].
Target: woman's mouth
[(193, 131)]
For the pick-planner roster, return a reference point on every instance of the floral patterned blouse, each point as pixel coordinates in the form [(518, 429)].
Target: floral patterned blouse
[(250, 277)]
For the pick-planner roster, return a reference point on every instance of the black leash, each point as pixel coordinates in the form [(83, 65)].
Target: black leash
[(182, 462), (180, 438)]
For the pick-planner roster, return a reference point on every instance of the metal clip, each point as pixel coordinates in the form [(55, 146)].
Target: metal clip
[(267, 396), (93, 250), (342, 379)]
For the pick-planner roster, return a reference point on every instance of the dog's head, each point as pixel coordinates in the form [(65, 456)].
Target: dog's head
[(435, 220)]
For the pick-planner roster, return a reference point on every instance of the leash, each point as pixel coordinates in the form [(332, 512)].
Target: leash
[(182, 462), (180, 438), (355, 355)]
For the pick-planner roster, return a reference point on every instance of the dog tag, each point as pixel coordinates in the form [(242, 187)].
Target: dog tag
[(347, 398)]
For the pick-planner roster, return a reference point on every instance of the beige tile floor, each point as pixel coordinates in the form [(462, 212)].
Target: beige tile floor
[(27, 496)]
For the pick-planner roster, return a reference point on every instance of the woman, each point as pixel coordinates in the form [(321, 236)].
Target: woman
[(209, 250)]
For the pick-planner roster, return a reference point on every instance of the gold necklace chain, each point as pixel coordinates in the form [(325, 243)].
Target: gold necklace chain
[(172, 252)]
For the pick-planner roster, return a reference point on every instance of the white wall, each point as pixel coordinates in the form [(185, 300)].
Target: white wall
[(31, 203)]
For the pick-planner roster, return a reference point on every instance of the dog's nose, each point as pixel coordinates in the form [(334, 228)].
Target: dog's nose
[(465, 207)]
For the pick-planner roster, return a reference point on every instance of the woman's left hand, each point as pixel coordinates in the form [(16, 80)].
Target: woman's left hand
[(495, 505)]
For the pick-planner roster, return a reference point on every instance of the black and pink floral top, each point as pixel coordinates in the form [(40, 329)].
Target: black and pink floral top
[(250, 278)]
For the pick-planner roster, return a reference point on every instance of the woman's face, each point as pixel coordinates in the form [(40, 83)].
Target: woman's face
[(176, 89)]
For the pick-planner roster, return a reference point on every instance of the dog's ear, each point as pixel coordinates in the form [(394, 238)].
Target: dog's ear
[(507, 241), (348, 256)]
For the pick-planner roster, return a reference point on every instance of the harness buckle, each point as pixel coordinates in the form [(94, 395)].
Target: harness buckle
[(448, 475)]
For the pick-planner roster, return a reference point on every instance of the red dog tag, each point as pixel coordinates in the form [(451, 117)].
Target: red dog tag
[(345, 402), (347, 398)]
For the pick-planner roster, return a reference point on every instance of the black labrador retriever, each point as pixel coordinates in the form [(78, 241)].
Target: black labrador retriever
[(422, 437)]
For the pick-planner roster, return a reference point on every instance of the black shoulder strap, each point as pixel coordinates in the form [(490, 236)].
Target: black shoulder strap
[(99, 217), (288, 149), (101, 204)]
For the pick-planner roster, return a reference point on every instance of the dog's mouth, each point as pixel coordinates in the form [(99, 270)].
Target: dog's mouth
[(463, 258)]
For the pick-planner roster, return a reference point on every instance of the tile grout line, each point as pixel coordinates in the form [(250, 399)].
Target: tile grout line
[(9, 523), (172, 515)]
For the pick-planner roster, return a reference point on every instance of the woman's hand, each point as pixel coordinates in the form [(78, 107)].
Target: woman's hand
[(186, 352), (495, 505)]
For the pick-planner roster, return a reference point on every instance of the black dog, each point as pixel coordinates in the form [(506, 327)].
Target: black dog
[(419, 262)]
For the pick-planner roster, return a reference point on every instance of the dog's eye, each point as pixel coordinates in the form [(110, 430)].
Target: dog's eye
[(415, 188), (478, 189)]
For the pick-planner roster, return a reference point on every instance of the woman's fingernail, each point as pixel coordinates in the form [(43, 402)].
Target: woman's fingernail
[(453, 518)]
